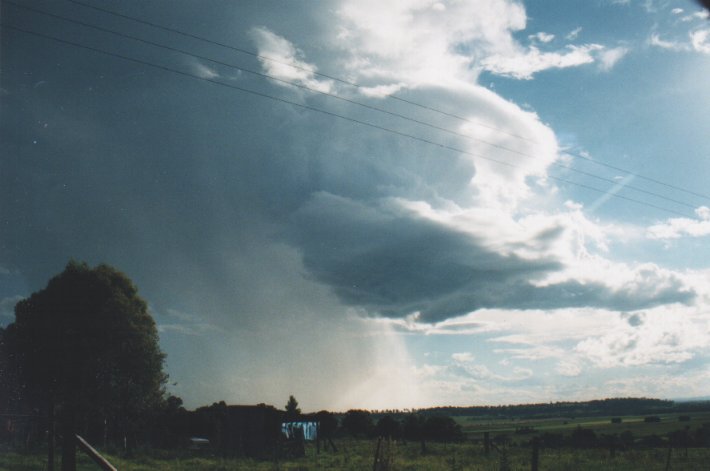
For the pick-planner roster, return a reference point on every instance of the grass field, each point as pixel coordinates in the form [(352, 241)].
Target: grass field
[(474, 426), (358, 455)]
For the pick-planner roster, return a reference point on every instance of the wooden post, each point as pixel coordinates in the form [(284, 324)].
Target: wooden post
[(486, 442), (94, 455), (535, 454), (68, 439), (377, 454), (668, 460), (335, 448), (50, 437)]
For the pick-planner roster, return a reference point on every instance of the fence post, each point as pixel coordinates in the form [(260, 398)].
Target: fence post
[(94, 455), (50, 437), (486, 442), (377, 454), (668, 460), (535, 453)]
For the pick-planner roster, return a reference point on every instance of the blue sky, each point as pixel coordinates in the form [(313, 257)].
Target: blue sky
[(448, 251)]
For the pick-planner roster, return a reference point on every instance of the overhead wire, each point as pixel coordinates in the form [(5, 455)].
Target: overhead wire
[(326, 112), (390, 96), (344, 99), (289, 64)]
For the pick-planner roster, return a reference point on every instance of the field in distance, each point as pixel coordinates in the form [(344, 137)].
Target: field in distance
[(475, 426)]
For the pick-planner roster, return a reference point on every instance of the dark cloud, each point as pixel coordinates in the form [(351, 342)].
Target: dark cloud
[(393, 264)]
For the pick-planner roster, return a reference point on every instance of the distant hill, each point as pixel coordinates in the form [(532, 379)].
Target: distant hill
[(601, 407)]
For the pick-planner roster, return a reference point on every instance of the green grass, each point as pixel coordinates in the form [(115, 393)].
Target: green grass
[(475, 426), (356, 455)]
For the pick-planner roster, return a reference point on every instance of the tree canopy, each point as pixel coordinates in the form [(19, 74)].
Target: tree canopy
[(292, 409), (87, 345)]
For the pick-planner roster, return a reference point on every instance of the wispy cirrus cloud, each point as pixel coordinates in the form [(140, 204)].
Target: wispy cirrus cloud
[(526, 64)]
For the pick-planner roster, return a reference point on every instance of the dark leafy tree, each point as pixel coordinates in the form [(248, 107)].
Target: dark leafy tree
[(388, 427), (170, 424), (292, 409), (328, 424), (87, 345), (442, 429), (358, 423), (413, 429), (10, 388)]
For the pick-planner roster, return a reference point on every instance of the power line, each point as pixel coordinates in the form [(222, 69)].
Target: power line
[(391, 96), (278, 61), (326, 112), (338, 97)]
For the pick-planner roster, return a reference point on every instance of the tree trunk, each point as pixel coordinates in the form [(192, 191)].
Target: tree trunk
[(68, 440)]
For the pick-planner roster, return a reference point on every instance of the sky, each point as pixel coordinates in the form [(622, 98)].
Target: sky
[(374, 204)]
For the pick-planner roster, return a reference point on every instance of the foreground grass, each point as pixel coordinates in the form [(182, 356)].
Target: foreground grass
[(356, 455)]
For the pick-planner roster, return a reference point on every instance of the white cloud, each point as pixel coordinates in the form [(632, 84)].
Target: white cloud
[(530, 352), (542, 37), (675, 228), (463, 357), (609, 57), (665, 336), (525, 65), (655, 40), (574, 34), (282, 60), (698, 15), (677, 11), (700, 40), (568, 368), (203, 71), (423, 41)]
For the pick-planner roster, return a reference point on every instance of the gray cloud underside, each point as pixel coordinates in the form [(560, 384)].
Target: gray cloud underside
[(393, 265)]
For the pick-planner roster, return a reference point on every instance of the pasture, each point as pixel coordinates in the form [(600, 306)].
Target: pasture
[(475, 426), (357, 455)]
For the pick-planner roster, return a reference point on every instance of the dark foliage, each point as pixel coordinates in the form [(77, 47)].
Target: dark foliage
[(170, 425), (292, 409), (388, 427), (252, 431), (328, 423), (87, 346), (358, 423), (413, 427), (442, 429)]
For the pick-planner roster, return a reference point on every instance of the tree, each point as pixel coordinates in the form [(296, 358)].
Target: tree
[(388, 427), (442, 428), (358, 423), (328, 423), (292, 410), (87, 346)]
